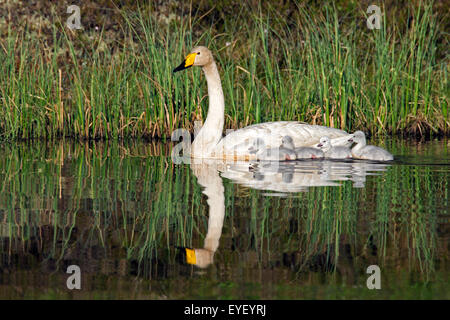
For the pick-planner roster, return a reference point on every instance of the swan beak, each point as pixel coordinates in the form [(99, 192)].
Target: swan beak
[(188, 255), (319, 145), (187, 63), (350, 140)]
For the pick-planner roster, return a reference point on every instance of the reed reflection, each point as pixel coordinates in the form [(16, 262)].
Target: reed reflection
[(118, 211), (281, 178)]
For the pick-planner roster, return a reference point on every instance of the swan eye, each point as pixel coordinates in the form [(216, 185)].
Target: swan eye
[(198, 53)]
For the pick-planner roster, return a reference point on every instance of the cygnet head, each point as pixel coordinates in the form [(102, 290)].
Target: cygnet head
[(287, 142), (358, 137), (199, 56), (324, 143)]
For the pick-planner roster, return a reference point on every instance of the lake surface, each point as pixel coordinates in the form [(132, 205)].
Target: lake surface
[(125, 214)]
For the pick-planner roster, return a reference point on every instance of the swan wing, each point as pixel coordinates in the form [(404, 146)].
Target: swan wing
[(238, 141)]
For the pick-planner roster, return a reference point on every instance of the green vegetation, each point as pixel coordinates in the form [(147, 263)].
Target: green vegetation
[(277, 61)]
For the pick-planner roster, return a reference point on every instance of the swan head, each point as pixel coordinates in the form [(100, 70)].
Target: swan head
[(324, 143), (199, 56), (358, 137)]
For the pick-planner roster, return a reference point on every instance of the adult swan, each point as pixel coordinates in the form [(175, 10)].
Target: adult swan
[(237, 145)]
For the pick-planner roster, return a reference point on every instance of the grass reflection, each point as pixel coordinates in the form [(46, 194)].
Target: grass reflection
[(119, 209)]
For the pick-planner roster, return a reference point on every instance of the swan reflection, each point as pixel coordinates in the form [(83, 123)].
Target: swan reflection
[(298, 176), (280, 178)]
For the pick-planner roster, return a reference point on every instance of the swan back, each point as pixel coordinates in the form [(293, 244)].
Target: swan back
[(302, 135), (271, 154)]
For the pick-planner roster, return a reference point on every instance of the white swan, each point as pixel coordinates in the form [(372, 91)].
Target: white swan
[(363, 151), (301, 152), (271, 154), (209, 142), (333, 152)]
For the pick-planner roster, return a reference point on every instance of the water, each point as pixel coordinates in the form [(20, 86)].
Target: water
[(124, 213)]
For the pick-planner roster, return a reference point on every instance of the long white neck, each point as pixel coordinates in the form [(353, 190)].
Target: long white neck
[(211, 132)]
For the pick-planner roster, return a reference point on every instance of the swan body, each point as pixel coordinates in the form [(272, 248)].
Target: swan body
[(333, 152), (363, 151), (271, 154), (302, 152), (209, 143)]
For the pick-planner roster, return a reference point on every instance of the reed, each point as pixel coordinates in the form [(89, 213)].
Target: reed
[(318, 66)]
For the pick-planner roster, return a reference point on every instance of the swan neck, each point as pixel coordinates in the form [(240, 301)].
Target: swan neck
[(216, 100), (211, 132)]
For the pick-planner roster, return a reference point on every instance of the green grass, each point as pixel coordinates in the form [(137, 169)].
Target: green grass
[(318, 66)]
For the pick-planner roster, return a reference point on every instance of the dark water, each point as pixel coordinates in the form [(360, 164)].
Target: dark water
[(125, 212)]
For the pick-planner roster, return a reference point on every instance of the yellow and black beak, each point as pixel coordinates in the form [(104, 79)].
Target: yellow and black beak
[(187, 255), (187, 63)]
